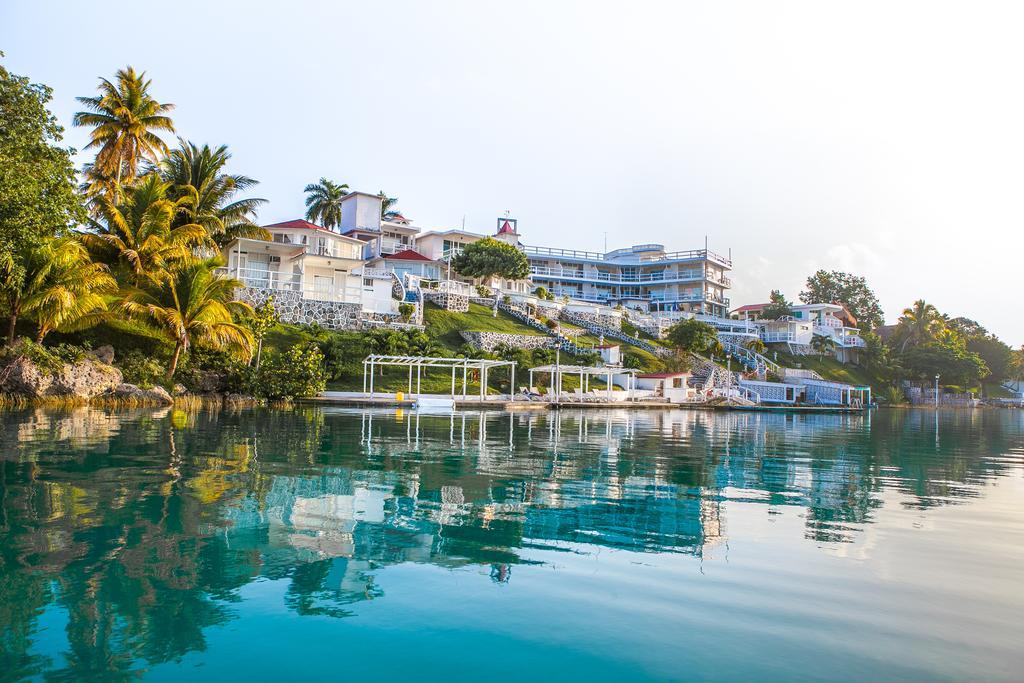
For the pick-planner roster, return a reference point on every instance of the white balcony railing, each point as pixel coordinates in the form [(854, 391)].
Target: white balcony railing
[(293, 282), (625, 278)]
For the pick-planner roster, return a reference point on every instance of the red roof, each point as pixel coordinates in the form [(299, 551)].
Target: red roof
[(506, 229), (408, 255), (297, 223), (749, 307), (662, 375)]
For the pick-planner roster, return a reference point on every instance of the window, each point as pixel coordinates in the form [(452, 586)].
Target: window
[(281, 238), (368, 282)]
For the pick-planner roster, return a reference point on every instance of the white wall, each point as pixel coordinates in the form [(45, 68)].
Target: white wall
[(360, 211)]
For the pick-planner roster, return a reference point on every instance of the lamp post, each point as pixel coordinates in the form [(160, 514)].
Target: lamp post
[(937, 391)]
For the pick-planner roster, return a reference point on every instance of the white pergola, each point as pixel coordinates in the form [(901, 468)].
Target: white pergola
[(585, 372), (423, 363)]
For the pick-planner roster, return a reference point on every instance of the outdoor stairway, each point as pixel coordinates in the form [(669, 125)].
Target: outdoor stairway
[(561, 341), (611, 332), (750, 359)]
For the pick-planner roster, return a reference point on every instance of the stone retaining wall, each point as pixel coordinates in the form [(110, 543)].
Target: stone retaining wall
[(613, 322), (489, 341), (457, 303), (291, 307)]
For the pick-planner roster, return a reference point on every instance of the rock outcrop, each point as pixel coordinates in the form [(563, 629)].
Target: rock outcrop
[(129, 393), (85, 378)]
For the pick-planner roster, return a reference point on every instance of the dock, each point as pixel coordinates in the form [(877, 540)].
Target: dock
[(504, 403)]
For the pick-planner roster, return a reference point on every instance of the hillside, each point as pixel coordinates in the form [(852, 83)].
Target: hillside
[(444, 326)]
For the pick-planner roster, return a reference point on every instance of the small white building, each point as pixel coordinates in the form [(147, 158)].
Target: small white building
[(674, 387), (611, 354)]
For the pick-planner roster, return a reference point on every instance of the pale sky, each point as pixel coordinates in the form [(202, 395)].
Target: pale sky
[(883, 138)]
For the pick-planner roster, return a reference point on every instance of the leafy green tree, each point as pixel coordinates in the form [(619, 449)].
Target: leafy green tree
[(693, 336), (1017, 364), (956, 366), (125, 120), (196, 174), (296, 373), (998, 356), (194, 305), (777, 306), (263, 319), (852, 291), (37, 179), (323, 202), (489, 258)]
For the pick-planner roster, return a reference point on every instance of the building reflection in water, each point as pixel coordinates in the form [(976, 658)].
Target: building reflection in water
[(141, 528)]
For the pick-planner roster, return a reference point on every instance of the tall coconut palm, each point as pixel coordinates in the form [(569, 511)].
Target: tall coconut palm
[(323, 202), (918, 324), (197, 173), (387, 206), (137, 237), (63, 290), (125, 119), (194, 306)]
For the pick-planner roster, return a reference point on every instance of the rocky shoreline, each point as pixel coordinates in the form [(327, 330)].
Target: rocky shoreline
[(92, 379)]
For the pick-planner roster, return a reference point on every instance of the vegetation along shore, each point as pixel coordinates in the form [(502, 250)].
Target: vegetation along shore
[(110, 289)]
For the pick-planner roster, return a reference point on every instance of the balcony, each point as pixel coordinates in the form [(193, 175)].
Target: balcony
[(293, 282), (624, 279), (624, 255)]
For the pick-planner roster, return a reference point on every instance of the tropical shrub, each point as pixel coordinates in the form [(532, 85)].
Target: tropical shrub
[(694, 336), (406, 310), (141, 369), (295, 373)]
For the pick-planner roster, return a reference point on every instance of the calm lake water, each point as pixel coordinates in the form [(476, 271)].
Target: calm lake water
[(321, 543)]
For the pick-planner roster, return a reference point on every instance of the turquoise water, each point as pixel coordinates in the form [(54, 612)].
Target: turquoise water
[(320, 543)]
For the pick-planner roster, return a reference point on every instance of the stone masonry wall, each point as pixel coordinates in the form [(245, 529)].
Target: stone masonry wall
[(292, 308), (610, 321), (457, 303), (489, 341)]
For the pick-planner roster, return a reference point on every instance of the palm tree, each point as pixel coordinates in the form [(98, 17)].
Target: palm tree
[(124, 118), (918, 324), (137, 236), (194, 305), (197, 173), (65, 291), (62, 289), (387, 206), (822, 344), (756, 345), (323, 203)]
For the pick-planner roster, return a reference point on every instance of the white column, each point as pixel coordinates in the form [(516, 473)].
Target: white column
[(453, 381), (418, 377), (371, 379)]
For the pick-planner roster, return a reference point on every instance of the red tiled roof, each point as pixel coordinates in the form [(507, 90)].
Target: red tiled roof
[(506, 229), (297, 223), (749, 307), (408, 255)]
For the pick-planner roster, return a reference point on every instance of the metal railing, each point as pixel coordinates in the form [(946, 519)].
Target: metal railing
[(621, 278), (622, 255), (293, 282)]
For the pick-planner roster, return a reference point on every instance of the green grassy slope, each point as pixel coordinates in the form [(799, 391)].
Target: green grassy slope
[(831, 369), (445, 326)]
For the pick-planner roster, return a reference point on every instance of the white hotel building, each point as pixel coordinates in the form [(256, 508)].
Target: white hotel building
[(349, 265)]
